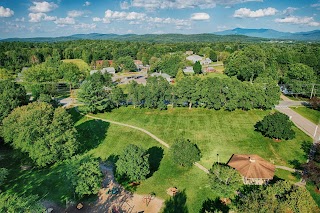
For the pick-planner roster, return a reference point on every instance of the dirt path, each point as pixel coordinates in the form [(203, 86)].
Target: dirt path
[(146, 132)]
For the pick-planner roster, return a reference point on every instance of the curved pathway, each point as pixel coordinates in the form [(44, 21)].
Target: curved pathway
[(146, 132)]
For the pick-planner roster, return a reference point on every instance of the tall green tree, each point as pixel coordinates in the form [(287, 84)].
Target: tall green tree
[(11, 203), (133, 163), (276, 125), (157, 93), (95, 93), (184, 153), (224, 180), (117, 96), (197, 68), (279, 197), (187, 91), (126, 63), (12, 95), (46, 134), (84, 174), (71, 73)]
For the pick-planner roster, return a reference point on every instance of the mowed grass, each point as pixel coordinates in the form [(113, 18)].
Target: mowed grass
[(83, 66), (310, 114), (215, 132)]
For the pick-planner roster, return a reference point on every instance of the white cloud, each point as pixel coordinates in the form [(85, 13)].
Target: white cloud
[(247, 13), (134, 18), (289, 10), (20, 20), (42, 7), (200, 16), (180, 4), (85, 26), (309, 21), (6, 12), (75, 13), (86, 4), (37, 17), (124, 5), (116, 15), (65, 21)]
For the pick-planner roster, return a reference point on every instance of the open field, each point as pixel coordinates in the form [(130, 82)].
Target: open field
[(310, 114), (83, 66), (215, 132)]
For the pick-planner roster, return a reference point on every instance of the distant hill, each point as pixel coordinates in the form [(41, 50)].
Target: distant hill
[(273, 34), (237, 34), (147, 37)]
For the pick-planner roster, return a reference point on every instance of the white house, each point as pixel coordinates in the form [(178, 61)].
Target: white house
[(194, 58), (188, 70), (163, 75), (206, 61), (109, 70)]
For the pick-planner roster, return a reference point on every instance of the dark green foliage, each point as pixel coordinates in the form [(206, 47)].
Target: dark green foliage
[(12, 95), (169, 64), (157, 93), (126, 63), (299, 78), (12, 203), (246, 64), (45, 133), (117, 96), (3, 174), (225, 180), (136, 93), (95, 93), (213, 206), (84, 174), (213, 56), (276, 125), (197, 68), (176, 204), (133, 163), (280, 197), (184, 153)]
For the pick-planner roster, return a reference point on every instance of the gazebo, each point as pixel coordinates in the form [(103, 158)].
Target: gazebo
[(253, 169)]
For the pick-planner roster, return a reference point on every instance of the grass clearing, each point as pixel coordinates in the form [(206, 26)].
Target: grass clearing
[(83, 66), (310, 114), (215, 132)]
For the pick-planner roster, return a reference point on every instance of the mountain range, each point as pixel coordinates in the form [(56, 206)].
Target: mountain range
[(273, 34), (237, 34)]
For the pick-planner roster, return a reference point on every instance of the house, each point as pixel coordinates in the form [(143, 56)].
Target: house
[(93, 71), (194, 58), (163, 75), (109, 70), (206, 61), (188, 70), (210, 69), (138, 64), (99, 63), (189, 52), (110, 62), (253, 169)]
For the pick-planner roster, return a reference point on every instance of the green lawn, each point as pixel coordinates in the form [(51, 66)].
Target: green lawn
[(80, 63), (311, 114), (215, 132)]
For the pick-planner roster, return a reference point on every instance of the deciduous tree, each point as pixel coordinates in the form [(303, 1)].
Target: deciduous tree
[(46, 134), (184, 153), (276, 125), (133, 163)]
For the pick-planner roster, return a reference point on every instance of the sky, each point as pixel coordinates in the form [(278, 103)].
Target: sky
[(53, 18)]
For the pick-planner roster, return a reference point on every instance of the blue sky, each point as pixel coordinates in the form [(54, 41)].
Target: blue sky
[(33, 18)]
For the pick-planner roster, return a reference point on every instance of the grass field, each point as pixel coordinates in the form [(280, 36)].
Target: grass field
[(213, 131), (83, 66), (310, 114)]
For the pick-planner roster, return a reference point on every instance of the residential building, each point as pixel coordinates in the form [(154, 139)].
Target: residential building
[(194, 58)]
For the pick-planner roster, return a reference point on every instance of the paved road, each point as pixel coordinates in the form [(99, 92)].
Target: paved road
[(146, 132), (301, 122)]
